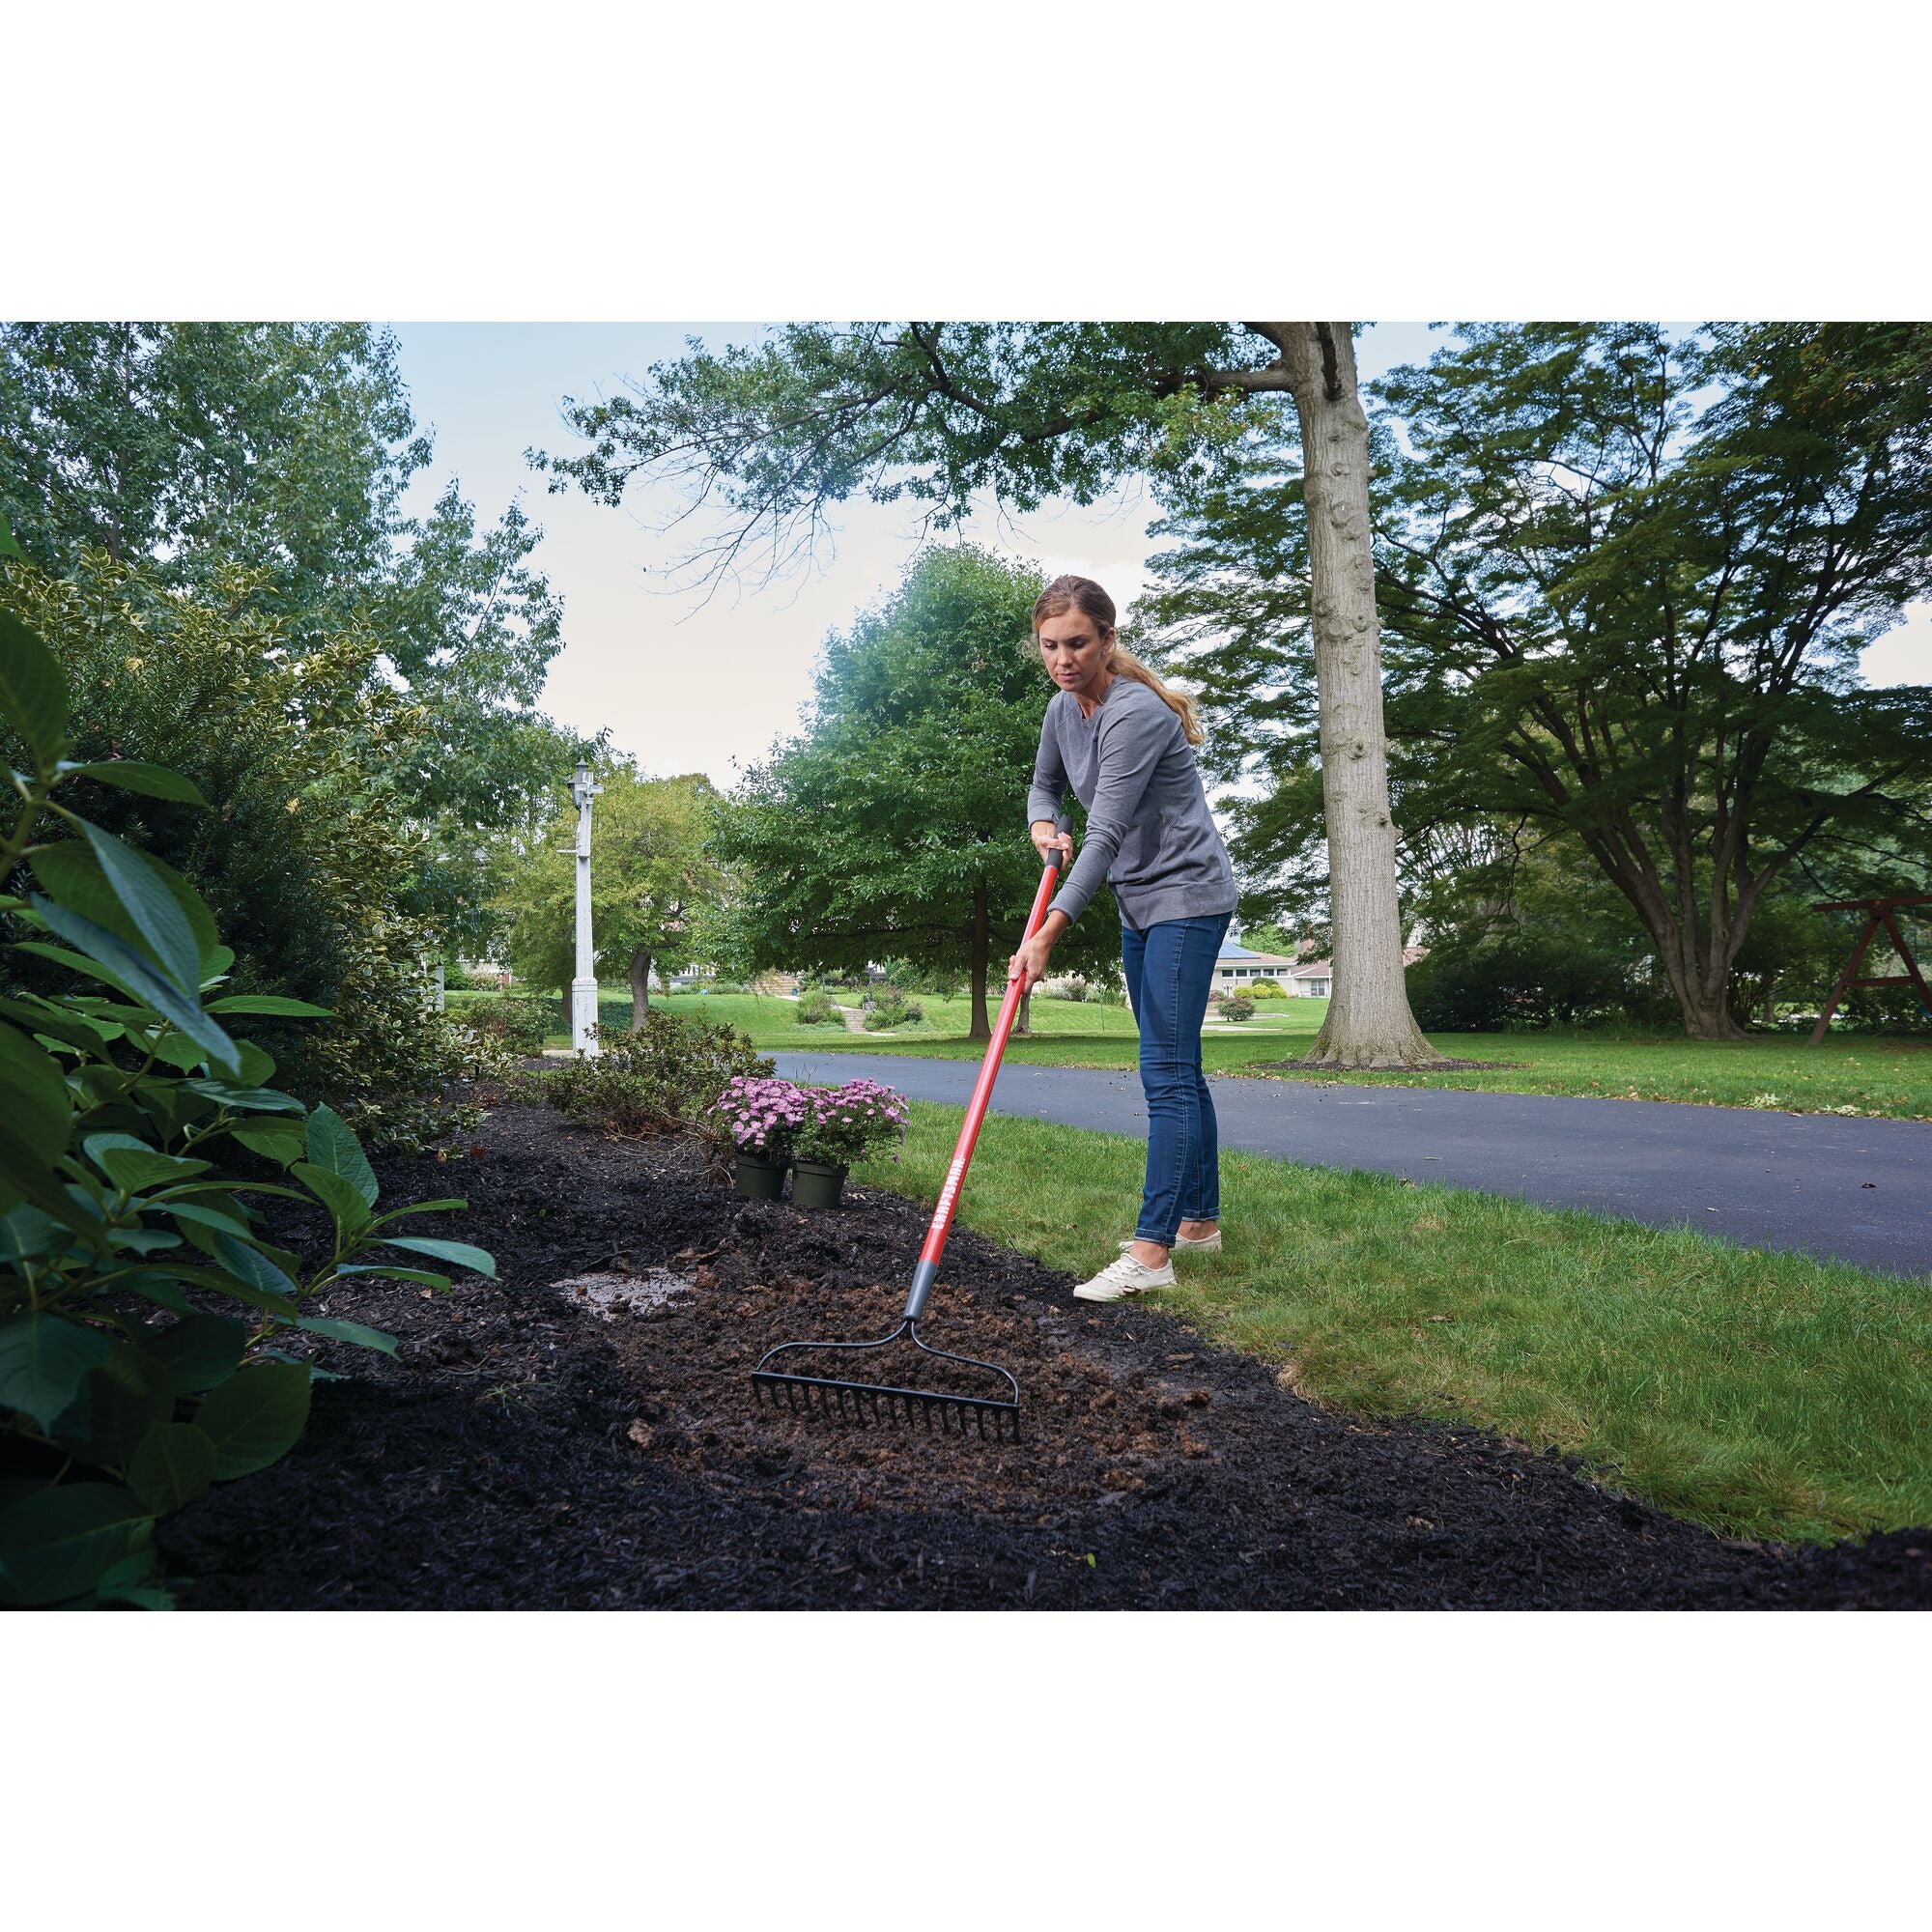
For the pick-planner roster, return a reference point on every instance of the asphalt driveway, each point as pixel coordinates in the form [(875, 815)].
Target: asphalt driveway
[(1852, 1190)]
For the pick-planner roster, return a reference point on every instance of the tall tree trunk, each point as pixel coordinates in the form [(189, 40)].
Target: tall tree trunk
[(1369, 1021), (1023, 1019), (982, 1027), (640, 987), (1709, 1018)]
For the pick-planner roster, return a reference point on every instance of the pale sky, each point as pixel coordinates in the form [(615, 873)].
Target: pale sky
[(688, 685)]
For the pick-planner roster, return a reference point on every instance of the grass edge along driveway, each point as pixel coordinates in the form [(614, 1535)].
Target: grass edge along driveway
[(1764, 1395), (1878, 1078)]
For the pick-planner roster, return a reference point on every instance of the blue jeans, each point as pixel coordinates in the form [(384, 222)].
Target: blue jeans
[(1170, 971)]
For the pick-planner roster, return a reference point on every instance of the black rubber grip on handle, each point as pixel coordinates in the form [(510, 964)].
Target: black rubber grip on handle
[(1057, 858)]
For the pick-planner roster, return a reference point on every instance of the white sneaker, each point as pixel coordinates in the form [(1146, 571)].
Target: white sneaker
[(1201, 1243), (1125, 1276)]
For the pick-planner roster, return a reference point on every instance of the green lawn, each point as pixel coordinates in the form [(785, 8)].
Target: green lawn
[(1761, 1394)]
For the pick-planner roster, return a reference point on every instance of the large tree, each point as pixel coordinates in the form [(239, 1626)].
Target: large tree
[(1639, 572), (653, 880), (264, 467), (1625, 581), (940, 411), (894, 826)]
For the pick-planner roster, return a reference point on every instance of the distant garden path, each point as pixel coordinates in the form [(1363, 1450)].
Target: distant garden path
[(1759, 1178)]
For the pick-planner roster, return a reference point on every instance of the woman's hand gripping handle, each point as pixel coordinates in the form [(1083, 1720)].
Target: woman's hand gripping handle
[(1054, 844)]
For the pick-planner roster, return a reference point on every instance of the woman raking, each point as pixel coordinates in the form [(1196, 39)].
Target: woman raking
[(1124, 744)]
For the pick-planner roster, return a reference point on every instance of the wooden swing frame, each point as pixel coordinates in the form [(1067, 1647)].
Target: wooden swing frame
[(1878, 914)]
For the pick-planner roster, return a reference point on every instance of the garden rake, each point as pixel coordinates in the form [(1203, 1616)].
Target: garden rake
[(996, 1417)]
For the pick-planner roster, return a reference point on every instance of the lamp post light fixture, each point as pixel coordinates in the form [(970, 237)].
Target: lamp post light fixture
[(583, 988)]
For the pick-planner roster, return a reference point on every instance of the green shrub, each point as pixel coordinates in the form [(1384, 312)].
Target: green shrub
[(129, 1120), (1267, 989), (816, 1008), (662, 1079), (516, 1027), (942, 983), (889, 1007), (1237, 1006), (1521, 981)]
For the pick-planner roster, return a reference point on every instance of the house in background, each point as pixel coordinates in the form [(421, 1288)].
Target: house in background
[(1238, 965), (1312, 979)]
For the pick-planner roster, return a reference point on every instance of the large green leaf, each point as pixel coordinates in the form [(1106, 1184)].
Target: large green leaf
[(250, 1265), (33, 692), (423, 1277), (442, 1207), (26, 1233), (36, 1108), (203, 1216), (257, 1066), (61, 1540), (34, 1015), (347, 1331), (459, 1253), (342, 1198), (149, 902), (134, 775), (43, 1359), (333, 1146), (119, 965), (240, 1288), (268, 1003), (132, 1169), (264, 1099), (143, 1241), (161, 1289), (71, 877), (255, 1417), (174, 1463), (200, 1351), (177, 1050), (279, 1140), (118, 1402)]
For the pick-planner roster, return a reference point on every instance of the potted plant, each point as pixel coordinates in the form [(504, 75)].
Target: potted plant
[(841, 1125), (761, 1117)]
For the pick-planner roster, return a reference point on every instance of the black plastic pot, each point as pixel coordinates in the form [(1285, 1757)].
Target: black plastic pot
[(816, 1183), (760, 1178)]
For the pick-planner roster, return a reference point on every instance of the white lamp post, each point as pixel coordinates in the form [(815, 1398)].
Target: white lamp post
[(583, 988)]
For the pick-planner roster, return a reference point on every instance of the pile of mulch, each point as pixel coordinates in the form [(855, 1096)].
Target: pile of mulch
[(533, 1447)]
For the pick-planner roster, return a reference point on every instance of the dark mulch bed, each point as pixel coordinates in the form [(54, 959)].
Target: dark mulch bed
[(527, 1453)]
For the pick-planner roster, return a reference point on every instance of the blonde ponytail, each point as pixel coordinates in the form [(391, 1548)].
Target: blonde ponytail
[(1123, 664)]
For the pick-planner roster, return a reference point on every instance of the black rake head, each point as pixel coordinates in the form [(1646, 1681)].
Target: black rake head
[(988, 1418)]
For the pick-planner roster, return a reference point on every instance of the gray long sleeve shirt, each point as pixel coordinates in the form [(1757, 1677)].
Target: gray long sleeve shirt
[(1148, 832)]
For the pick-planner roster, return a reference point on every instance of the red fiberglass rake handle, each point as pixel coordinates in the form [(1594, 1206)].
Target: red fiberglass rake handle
[(928, 1271)]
